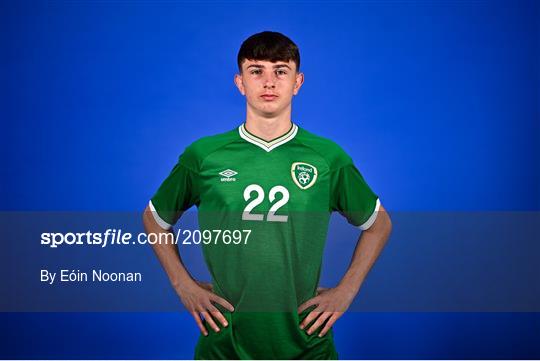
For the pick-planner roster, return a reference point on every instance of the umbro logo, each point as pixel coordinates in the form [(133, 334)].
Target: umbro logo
[(228, 175)]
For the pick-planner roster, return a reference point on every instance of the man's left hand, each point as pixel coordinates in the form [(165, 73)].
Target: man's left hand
[(331, 304)]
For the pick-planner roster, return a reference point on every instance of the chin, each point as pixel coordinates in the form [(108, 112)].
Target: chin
[(267, 109), (271, 110), (267, 113)]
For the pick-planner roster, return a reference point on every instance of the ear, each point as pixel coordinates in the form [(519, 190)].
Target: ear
[(298, 83), (239, 83)]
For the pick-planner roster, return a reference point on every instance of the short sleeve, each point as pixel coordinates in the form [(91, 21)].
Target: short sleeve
[(352, 197), (177, 193)]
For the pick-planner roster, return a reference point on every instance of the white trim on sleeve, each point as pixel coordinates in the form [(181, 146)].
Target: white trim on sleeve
[(158, 219), (372, 218)]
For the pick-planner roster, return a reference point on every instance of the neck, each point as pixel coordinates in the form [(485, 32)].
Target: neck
[(268, 128)]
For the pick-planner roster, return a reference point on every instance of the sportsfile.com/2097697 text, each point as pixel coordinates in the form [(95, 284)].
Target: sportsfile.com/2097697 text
[(119, 237)]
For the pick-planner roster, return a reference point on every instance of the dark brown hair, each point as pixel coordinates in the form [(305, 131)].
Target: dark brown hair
[(270, 46)]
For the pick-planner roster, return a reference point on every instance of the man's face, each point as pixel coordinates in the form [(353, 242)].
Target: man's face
[(268, 87)]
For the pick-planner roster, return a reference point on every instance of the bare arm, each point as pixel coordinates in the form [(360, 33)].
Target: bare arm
[(196, 296), (168, 254), (368, 248), (332, 303)]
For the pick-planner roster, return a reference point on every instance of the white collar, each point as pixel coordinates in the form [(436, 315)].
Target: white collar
[(267, 146)]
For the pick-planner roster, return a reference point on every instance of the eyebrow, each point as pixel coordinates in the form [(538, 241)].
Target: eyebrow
[(262, 66)]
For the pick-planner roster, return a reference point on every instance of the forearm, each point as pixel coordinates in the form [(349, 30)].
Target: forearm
[(368, 248), (168, 254)]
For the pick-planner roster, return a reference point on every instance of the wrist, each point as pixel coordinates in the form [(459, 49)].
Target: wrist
[(183, 283), (349, 287)]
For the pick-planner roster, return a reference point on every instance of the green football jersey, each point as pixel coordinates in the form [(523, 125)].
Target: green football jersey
[(264, 209)]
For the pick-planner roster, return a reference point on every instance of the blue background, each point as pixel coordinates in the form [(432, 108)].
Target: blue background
[(437, 102)]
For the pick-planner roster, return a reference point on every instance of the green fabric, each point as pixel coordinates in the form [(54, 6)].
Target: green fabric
[(301, 180)]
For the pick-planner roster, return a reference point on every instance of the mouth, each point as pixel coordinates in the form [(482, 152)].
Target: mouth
[(269, 97)]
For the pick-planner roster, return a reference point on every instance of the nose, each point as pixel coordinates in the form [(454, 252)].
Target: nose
[(269, 81)]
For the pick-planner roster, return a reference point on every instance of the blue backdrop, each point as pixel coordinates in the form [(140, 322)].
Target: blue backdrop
[(437, 102)]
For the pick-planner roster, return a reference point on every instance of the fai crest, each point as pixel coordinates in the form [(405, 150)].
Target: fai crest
[(303, 174)]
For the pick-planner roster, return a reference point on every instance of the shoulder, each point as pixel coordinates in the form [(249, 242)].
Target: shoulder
[(332, 152), (197, 151)]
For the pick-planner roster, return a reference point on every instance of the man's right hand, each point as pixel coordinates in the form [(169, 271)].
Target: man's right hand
[(198, 298)]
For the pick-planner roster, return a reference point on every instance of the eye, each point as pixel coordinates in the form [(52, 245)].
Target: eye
[(256, 71), (281, 72)]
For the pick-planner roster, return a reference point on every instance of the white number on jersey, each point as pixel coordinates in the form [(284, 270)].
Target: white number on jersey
[(271, 217)]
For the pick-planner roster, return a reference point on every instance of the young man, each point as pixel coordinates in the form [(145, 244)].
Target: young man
[(272, 186)]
